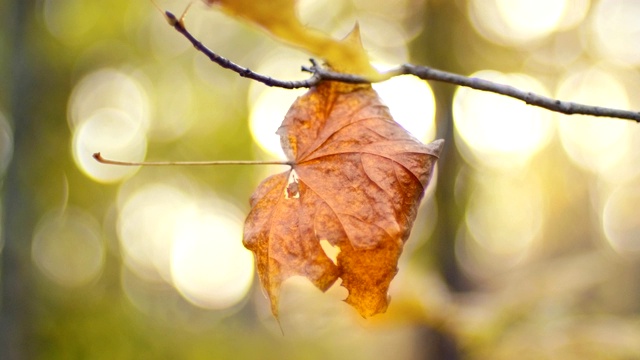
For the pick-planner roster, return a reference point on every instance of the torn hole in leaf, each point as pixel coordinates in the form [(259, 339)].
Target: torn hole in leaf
[(330, 250), (292, 191)]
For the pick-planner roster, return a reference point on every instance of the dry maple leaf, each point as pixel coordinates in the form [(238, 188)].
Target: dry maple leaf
[(356, 181)]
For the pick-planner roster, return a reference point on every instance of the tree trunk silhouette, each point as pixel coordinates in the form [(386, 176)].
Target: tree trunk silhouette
[(15, 309)]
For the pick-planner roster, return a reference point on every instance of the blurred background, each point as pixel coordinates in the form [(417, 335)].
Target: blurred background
[(527, 245)]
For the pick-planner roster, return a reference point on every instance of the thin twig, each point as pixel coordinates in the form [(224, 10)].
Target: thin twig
[(178, 24), (320, 73), (103, 160), (564, 107)]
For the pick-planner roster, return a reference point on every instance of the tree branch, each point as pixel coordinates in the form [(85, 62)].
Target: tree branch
[(320, 73)]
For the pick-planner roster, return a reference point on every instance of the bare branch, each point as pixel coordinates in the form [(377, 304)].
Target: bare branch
[(564, 107), (228, 64), (320, 73)]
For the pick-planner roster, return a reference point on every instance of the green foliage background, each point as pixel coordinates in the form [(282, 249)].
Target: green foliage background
[(575, 299)]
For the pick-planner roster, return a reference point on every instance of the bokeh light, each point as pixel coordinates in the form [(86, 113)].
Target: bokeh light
[(626, 167), (163, 46), (385, 28), (173, 115), (594, 143), (620, 219), (154, 299), (269, 105), (615, 26), (385, 41), (411, 103), (108, 88), (108, 112), (115, 135), (146, 222), (69, 20), (209, 265), (68, 248), (267, 113), (497, 130), (298, 294), (576, 11), (504, 217), (188, 239), (309, 12), (516, 22)]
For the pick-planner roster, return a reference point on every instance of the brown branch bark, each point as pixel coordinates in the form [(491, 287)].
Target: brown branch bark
[(320, 73)]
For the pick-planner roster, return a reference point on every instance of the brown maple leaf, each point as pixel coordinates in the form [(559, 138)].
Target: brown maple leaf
[(356, 181)]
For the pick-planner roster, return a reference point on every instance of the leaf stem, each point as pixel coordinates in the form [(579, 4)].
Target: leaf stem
[(103, 160)]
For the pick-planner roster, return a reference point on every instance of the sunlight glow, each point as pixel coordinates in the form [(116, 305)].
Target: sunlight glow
[(269, 105), (154, 299), (620, 220), (108, 112), (69, 20), (174, 113), (504, 216), (594, 143), (516, 22), (108, 88), (146, 225), (188, 239), (384, 40), (67, 247), (497, 130), (209, 265), (528, 18), (616, 26), (297, 296), (319, 14), (267, 113), (575, 13), (114, 134), (411, 103)]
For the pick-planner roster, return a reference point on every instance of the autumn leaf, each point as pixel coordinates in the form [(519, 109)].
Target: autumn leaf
[(279, 18), (356, 181)]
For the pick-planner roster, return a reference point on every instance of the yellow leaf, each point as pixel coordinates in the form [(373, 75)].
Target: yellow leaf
[(279, 18)]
